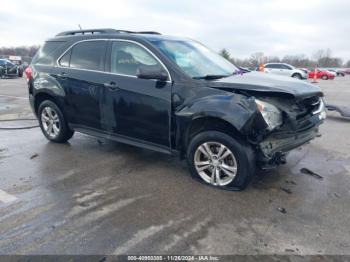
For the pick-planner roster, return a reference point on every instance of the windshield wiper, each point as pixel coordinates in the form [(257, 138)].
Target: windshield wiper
[(210, 77)]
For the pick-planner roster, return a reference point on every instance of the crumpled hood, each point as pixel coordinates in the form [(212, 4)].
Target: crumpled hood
[(267, 83)]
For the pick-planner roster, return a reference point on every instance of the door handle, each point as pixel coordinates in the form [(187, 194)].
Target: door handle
[(111, 85)]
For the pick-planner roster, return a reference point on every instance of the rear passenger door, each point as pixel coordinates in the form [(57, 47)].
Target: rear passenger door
[(141, 107), (82, 74)]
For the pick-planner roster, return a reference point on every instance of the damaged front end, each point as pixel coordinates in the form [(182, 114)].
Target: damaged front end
[(282, 125)]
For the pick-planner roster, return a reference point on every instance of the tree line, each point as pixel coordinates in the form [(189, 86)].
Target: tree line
[(321, 58), (26, 52)]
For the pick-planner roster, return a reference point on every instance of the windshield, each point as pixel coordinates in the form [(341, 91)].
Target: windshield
[(195, 59)]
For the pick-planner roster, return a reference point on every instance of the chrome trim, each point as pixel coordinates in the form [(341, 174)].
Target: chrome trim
[(116, 40), (320, 108)]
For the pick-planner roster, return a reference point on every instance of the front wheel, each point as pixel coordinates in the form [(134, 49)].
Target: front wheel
[(297, 76), (52, 122), (324, 77), (219, 160)]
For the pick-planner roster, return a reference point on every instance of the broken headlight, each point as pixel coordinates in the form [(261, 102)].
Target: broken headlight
[(271, 114)]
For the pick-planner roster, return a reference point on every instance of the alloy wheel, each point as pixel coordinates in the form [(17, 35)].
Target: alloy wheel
[(215, 163), (50, 122)]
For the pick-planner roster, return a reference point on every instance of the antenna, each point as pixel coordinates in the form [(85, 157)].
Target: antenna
[(80, 27)]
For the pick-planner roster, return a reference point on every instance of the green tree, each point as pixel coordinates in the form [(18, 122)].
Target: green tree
[(225, 54)]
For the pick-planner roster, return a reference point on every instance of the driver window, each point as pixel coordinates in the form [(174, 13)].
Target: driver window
[(127, 57)]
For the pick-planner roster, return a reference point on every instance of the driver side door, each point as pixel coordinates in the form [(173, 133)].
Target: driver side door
[(135, 108)]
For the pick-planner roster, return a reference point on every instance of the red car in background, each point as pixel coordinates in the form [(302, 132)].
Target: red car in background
[(320, 74)]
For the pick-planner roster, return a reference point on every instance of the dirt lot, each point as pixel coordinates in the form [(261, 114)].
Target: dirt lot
[(90, 197)]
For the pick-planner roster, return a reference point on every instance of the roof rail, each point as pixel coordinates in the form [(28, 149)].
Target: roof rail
[(138, 32), (103, 31), (88, 31)]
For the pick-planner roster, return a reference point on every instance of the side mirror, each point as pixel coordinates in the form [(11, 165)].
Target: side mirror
[(152, 72)]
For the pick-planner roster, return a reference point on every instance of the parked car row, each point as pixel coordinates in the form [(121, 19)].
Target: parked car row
[(301, 73), (325, 73)]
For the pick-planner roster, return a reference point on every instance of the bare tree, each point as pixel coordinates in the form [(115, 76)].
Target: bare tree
[(257, 58), (27, 52)]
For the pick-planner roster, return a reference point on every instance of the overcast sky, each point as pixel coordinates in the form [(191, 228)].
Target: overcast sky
[(242, 27)]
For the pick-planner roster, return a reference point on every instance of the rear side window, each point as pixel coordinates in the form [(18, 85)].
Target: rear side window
[(286, 67), (45, 55), (88, 55)]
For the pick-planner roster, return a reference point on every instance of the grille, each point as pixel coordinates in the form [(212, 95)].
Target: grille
[(308, 106)]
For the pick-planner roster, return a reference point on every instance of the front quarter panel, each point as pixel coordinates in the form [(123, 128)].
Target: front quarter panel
[(238, 110)]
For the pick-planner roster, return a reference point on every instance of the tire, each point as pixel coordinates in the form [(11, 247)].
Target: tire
[(49, 114), (324, 77), (242, 158), (297, 76)]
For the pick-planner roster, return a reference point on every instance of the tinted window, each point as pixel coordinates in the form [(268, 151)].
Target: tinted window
[(45, 55), (65, 60), (126, 57), (274, 66), (89, 55), (286, 67), (278, 66), (2, 62)]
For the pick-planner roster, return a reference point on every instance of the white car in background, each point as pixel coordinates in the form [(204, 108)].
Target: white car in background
[(285, 70)]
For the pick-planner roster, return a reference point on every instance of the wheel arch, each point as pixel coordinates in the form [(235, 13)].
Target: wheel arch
[(42, 96), (206, 123), (297, 73)]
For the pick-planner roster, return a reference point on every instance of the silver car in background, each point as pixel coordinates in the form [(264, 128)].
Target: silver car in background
[(285, 70)]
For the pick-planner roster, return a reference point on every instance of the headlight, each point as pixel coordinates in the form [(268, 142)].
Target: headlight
[(321, 110), (271, 114)]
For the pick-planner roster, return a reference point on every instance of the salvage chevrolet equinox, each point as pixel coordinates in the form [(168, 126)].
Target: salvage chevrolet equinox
[(171, 95)]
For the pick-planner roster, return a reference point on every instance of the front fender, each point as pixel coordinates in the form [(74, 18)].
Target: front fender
[(238, 110)]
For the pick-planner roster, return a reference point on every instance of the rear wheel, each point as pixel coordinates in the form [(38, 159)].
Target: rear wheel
[(52, 122), (219, 160)]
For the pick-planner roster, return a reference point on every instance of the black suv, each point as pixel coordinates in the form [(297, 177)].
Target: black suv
[(171, 95)]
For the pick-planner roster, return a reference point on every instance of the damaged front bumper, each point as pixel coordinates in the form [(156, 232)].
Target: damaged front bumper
[(273, 149)]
